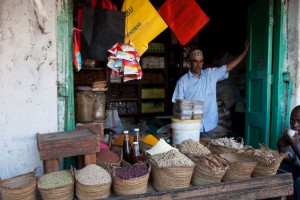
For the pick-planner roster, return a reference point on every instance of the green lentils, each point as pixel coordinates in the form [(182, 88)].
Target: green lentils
[(55, 179)]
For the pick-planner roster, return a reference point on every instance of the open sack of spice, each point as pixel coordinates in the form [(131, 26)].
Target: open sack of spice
[(124, 61)]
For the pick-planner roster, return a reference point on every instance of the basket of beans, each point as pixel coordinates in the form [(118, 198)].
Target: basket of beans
[(131, 179), (57, 185), (108, 158), (171, 170), (92, 182)]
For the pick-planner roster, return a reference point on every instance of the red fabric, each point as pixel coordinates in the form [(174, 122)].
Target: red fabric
[(184, 17), (105, 4), (79, 25)]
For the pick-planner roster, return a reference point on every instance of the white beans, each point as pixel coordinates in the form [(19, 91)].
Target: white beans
[(92, 175)]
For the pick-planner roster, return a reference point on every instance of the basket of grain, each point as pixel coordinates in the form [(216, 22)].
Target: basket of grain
[(240, 166), (171, 170), (209, 169), (131, 179), (225, 145), (92, 182), (108, 158), (56, 185), (268, 161), (21, 187)]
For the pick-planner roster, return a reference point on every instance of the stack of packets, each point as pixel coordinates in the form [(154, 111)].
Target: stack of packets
[(124, 61)]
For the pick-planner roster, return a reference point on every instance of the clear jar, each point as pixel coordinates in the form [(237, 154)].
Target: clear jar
[(99, 106)]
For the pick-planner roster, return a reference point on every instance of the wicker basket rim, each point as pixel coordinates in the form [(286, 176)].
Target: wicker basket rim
[(59, 187), (31, 176), (238, 158), (172, 167), (96, 185)]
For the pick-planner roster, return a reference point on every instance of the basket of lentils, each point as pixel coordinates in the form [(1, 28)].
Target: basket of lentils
[(56, 185), (131, 179), (92, 182), (171, 170)]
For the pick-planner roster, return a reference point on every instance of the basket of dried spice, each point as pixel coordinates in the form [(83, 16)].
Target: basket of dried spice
[(268, 160), (171, 170), (225, 145), (131, 179), (92, 182), (240, 166), (56, 185), (21, 187), (108, 158)]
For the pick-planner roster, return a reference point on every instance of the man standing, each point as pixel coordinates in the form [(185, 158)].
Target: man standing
[(200, 85)]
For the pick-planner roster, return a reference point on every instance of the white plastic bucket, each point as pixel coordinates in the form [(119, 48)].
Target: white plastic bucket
[(185, 129)]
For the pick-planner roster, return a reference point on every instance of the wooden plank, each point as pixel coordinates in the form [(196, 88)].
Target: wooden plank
[(89, 159), (67, 143), (279, 185), (51, 165)]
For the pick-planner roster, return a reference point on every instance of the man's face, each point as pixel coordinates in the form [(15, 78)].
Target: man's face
[(295, 120), (197, 65)]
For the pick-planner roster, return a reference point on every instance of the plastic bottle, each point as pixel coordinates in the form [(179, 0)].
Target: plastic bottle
[(137, 156), (126, 147)]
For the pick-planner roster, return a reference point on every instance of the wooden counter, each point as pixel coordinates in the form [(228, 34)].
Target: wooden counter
[(279, 185)]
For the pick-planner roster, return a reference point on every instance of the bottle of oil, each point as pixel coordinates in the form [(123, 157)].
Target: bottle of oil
[(137, 156), (126, 147)]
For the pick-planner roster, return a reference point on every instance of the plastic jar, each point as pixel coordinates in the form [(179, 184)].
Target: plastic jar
[(99, 106), (85, 106)]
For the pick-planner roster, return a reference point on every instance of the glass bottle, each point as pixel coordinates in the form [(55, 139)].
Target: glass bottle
[(126, 147), (99, 106), (137, 156), (137, 136)]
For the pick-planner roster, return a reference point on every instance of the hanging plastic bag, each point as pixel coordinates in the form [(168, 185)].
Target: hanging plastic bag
[(113, 121), (184, 17), (101, 28), (76, 51), (143, 23)]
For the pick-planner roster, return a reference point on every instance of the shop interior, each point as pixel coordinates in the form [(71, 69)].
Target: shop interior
[(147, 102)]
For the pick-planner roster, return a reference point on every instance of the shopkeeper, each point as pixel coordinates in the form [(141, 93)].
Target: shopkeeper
[(200, 85)]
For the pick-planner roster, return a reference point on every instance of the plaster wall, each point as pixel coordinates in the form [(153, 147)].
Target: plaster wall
[(28, 92), (293, 53)]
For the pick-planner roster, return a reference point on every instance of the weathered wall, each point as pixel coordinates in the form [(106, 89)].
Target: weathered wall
[(28, 71), (293, 52)]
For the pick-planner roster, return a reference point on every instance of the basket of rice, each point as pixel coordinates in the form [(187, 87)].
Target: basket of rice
[(209, 169), (92, 182), (225, 145), (131, 179), (171, 170), (21, 187), (240, 166), (56, 185), (268, 161)]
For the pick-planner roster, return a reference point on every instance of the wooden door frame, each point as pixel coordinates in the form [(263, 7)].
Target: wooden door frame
[(65, 79)]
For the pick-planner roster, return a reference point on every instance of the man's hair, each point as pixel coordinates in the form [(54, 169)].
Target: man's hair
[(296, 109)]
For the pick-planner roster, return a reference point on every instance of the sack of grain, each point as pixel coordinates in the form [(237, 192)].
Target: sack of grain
[(56, 185), (92, 182)]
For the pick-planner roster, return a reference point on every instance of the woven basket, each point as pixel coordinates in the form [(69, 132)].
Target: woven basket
[(109, 166), (203, 174), (132, 186), (240, 166), (264, 168), (219, 149), (171, 177), (87, 192), (21, 187), (65, 192)]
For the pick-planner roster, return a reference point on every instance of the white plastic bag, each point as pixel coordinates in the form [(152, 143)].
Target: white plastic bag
[(113, 121)]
